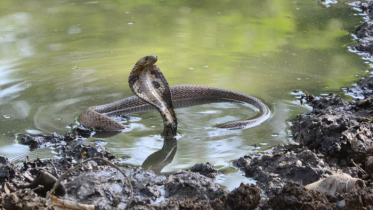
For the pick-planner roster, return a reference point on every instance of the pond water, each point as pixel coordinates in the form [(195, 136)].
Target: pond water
[(59, 57)]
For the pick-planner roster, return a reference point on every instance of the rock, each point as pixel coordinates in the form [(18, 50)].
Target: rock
[(364, 31), (33, 142), (336, 129), (6, 169), (243, 162), (184, 204), (23, 200), (12, 202), (3, 160), (244, 197), (357, 200), (151, 192), (293, 197), (337, 183), (4, 173), (291, 162), (101, 188), (46, 180), (366, 83), (205, 169), (364, 35), (89, 151), (182, 185), (369, 165), (36, 141), (367, 7)]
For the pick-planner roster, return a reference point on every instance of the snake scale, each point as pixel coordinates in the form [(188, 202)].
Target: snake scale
[(153, 92)]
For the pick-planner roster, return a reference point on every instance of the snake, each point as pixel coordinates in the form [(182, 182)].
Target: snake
[(152, 91)]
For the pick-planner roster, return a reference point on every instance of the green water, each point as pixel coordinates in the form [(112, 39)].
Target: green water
[(59, 57)]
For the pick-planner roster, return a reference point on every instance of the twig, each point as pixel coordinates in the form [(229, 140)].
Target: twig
[(39, 187), (54, 168), (60, 204), (63, 176), (6, 188), (358, 167)]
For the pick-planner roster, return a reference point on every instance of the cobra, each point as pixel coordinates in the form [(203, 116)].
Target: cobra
[(153, 92)]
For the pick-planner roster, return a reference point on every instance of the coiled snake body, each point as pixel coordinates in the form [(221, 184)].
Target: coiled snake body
[(152, 90)]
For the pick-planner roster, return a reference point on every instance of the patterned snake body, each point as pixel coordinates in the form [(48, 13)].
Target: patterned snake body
[(152, 91)]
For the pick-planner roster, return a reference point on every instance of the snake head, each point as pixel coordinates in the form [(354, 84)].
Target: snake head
[(147, 60)]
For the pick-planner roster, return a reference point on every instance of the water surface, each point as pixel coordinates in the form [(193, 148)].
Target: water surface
[(59, 57)]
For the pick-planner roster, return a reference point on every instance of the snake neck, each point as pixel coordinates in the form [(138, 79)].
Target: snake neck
[(169, 123), (148, 82)]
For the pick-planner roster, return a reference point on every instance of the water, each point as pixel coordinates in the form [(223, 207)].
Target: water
[(59, 57)]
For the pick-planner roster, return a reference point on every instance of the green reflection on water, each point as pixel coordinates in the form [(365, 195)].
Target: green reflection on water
[(59, 57)]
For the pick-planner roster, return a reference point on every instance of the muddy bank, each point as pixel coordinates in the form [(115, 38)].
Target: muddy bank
[(332, 150), (364, 31), (336, 136), (25, 185), (103, 187)]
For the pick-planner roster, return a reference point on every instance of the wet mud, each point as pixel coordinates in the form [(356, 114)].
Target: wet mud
[(24, 185), (328, 165)]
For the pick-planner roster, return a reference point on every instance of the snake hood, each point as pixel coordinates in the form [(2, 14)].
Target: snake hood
[(148, 82)]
